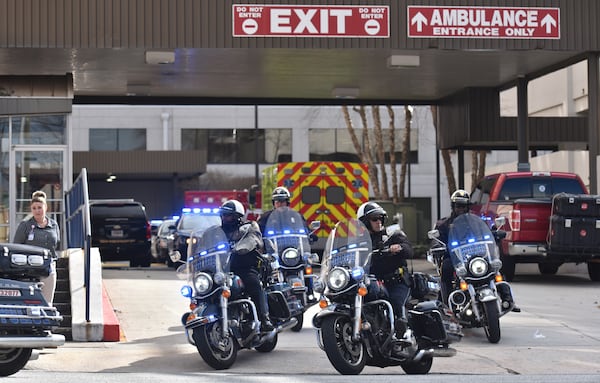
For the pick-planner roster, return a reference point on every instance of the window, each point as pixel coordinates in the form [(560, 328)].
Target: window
[(39, 130), (566, 185), (230, 146), (117, 139), (311, 195), (336, 144), (335, 195)]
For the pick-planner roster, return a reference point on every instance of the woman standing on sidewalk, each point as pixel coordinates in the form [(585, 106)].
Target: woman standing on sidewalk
[(41, 230)]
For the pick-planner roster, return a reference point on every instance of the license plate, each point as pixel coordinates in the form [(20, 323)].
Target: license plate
[(10, 293), (116, 233)]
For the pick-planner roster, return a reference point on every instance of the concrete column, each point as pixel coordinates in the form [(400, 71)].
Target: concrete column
[(593, 118)]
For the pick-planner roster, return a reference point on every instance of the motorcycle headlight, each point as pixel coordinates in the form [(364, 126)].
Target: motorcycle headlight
[(478, 267), (338, 278), (202, 283), (290, 257)]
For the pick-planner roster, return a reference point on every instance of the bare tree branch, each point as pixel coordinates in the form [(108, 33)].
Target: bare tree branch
[(405, 150), (368, 157), (380, 152), (392, 150)]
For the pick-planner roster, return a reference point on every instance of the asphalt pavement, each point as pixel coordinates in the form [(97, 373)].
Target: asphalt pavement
[(147, 302)]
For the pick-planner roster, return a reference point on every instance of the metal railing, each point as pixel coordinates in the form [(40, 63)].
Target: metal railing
[(78, 227)]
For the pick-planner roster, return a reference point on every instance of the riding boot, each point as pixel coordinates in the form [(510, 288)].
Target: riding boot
[(265, 324), (400, 325)]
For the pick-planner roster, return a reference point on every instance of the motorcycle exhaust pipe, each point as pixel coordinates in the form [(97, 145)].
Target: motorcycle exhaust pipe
[(435, 353), (291, 323), (52, 340)]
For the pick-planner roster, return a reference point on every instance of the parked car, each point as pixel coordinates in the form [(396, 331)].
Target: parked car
[(191, 219), (159, 242), (121, 231)]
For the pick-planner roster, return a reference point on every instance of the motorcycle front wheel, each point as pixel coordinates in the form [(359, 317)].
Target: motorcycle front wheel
[(218, 351), (492, 325), (12, 360), (347, 356)]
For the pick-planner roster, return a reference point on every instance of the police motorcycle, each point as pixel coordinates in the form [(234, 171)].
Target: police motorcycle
[(222, 317), (356, 324), (287, 240), (480, 296), (26, 318)]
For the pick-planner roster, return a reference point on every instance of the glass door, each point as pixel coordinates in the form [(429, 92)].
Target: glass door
[(35, 168)]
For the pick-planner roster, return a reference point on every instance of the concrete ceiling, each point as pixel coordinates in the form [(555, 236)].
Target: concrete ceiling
[(279, 75)]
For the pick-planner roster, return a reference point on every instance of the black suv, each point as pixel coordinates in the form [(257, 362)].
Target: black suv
[(121, 231)]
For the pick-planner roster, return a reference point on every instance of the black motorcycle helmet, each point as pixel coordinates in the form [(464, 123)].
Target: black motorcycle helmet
[(368, 210)]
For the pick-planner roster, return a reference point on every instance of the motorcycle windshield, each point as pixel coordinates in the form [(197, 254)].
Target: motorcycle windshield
[(285, 228), (470, 237), (348, 245), (208, 251)]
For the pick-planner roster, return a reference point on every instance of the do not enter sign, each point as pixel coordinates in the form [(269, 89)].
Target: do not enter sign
[(252, 20)]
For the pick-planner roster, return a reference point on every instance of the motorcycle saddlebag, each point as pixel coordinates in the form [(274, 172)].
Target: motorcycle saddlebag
[(24, 260), (424, 286), (283, 303), (576, 205)]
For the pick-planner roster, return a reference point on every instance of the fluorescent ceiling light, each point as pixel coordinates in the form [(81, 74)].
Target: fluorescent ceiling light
[(403, 61), (345, 92), (160, 57)]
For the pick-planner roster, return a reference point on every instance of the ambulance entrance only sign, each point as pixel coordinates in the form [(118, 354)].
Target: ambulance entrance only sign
[(483, 22)]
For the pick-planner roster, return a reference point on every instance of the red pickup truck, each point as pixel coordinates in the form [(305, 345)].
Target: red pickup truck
[(526, 200)]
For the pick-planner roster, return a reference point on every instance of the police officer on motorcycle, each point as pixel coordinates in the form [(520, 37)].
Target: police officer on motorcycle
[(390, 264), (245, 262), (460, 203), (280, 197)]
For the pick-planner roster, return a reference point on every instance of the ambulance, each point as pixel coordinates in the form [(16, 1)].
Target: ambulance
[(215, 198), (326, 191)]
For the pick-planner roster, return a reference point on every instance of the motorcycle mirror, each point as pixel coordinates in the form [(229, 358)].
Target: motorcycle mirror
[(182, 272), (176, 256), (314, 225), (433, 234), (500, 221), (313, 259)]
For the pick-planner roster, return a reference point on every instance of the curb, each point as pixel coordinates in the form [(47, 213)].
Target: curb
[(111, 326)]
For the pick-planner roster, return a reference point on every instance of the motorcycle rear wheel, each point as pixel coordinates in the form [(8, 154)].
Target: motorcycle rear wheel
[(347, 356), (12, 360), (268, 346), (492, 325), (217, 351), (298, 326)]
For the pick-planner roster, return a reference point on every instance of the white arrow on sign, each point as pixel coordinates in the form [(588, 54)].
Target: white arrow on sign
[(549, 22), (419, 19)]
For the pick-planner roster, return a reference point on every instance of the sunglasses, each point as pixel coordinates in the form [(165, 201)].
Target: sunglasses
[(375, 219)]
